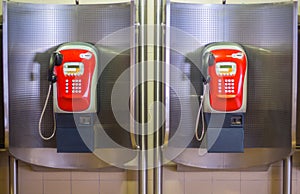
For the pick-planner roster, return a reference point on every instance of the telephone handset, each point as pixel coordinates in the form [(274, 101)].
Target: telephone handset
[(72, 74)]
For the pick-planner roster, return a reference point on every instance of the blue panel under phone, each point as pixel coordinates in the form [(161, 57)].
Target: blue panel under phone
[(73, 136), (225, 140), (69, 140)]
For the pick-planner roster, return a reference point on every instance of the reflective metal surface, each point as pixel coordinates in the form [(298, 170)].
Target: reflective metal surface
[(33, 31), (2, 131), (267, 32), (298, 100)]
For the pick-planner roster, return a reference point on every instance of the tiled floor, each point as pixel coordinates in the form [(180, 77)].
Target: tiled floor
[(125, 182)]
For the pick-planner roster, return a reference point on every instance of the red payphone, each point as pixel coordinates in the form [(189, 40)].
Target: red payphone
[(224, 66), (75, 88), (227, 71), (73, 74)]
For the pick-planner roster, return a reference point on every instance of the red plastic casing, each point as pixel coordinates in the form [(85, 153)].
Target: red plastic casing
[(72, 95), (226, 91)]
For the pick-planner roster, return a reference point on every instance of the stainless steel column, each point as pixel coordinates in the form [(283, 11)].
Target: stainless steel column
[(158, 94), (13, 175), (142, 95), (287, 175)]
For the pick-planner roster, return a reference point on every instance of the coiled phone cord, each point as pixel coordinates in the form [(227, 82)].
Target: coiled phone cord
[(200, 112), (42, 115)]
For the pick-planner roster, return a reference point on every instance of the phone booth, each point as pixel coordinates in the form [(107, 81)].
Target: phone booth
[(61, 63), (73, 74), (225, 95), (232, 84)]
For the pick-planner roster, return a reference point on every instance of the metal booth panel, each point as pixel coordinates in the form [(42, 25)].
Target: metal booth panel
[(268, 33), (32, 33)]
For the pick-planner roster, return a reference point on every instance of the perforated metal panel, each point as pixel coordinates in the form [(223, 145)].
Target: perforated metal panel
[(266, 31), (34, 31)]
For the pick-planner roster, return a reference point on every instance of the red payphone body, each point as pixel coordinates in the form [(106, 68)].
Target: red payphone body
[(224, 100), (75, 88), (227, 89), (73, 74)]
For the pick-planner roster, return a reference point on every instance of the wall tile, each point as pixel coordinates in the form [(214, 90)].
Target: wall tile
[(173, 186), (26, 173), (294, 173), (3, 186), (297, 172), (60, 175), (275, 186), (30, 187), (113, 176), (297, 186), (253, 176), (220, 175), (226, 187), (275, 173), (132, 187), (57, 187), (254, 187), (170, 173), (200, 176), (209, 182), (113, 187), (132, 175), (294, 187), (192, 187), (88, 187), (85, 176)]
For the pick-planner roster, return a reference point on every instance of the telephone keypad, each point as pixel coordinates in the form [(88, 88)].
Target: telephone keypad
[(76, 86), (226, 86)]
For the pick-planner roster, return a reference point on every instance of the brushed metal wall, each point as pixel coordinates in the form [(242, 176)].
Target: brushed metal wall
[(298, 99), (267, 32), (33, 32)]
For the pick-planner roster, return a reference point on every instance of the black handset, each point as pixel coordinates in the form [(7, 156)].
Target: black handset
[(55, 60)]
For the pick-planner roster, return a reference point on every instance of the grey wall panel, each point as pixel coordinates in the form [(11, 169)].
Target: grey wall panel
[(266, 31), (298, 99), (34, 31)]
